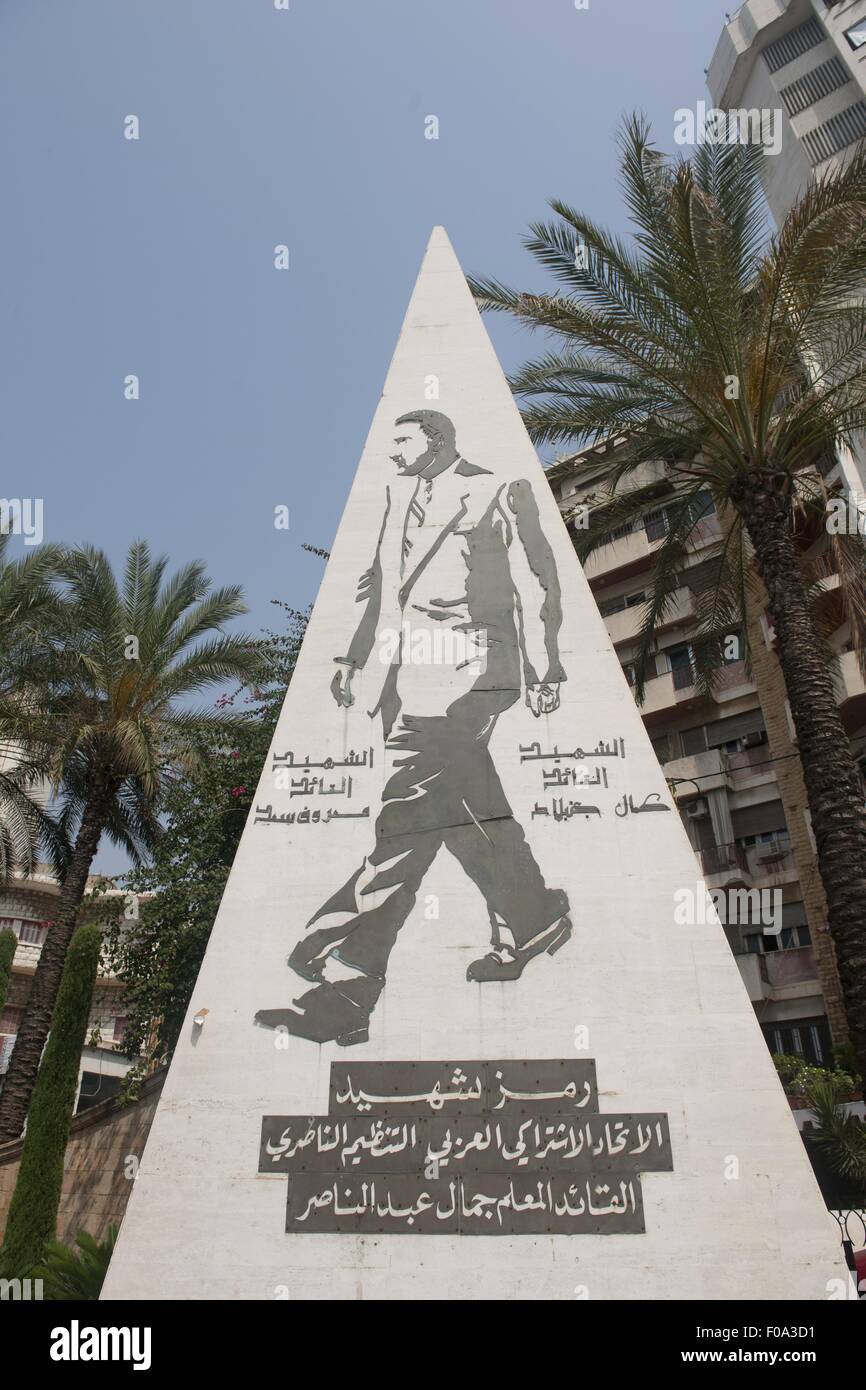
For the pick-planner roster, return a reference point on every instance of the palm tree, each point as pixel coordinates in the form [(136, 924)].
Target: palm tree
[(740, 360), (840, 1132), (28, 610), (110, 729)]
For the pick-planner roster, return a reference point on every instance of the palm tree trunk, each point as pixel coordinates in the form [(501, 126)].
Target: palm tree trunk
[(35, 1025), (833, 788)]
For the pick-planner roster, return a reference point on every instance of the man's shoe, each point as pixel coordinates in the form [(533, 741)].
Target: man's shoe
[(339, 1012), (311, 952), (509, 963)]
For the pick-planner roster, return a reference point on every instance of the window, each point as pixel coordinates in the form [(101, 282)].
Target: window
[(659, 521), (630, 670), (694, 741), (656, 524), (804, 1037), (856, 35), (31, 933), (738, 730), (680, 662), (702, 505), (662, 748), (10, 1019), (789, 939), (769, 839), (619, 532), (617, 605)]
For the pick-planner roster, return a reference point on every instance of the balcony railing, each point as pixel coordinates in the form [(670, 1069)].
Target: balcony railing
[(791, 967), (721, 859), (748, 758), (772, 857)]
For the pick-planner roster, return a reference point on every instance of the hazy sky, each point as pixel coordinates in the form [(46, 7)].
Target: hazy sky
[(261, 127)]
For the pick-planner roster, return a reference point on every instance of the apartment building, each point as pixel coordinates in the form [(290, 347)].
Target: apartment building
[(802, 63), (730, 761), (27, 907), (805, 61)]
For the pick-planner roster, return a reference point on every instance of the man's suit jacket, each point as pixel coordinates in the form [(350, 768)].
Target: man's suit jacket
[(467, 552)]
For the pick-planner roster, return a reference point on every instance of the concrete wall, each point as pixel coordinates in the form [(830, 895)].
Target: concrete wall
[(105, 1146)]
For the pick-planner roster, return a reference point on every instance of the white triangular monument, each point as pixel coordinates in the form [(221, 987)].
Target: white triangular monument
[(456, 1043)]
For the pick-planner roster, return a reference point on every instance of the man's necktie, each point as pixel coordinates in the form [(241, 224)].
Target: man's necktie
[(416, 513)]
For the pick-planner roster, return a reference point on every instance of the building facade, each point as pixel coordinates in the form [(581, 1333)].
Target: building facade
[(730, 760), (804, 61), (802, 64), (27, 906)]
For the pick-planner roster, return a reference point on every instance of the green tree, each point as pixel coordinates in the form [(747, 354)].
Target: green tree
[(839, 1132), (29, 611), (110, 727), (8, 947), (76, 1276), (32, 1218), (180, 889), (740, 361)]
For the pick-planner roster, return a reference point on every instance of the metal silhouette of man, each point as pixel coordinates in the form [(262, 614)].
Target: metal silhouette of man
[(462, 562)]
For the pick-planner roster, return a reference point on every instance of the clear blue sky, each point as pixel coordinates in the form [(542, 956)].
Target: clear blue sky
[(257, 127)]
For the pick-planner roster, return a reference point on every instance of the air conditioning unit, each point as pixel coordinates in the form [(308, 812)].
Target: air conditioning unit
[(697, 808), (754, 740)]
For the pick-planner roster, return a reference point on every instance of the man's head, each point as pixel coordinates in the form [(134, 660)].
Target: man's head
[(425, 443)]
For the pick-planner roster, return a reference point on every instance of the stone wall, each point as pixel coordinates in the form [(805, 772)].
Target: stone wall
[(96, 1179)]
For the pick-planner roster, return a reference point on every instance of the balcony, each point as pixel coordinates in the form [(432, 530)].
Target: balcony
[(772, 861), (779, 975), (848, 679), (781, 970), (628, 552), (749, 763), (625, 625), (668, 690), (724, 864), (706, 771)]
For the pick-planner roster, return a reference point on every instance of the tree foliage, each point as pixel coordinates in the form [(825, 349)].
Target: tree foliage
[(32, 1218), (736, 360), (102, 709), (8, 947), (157, 957), (76, 1275)]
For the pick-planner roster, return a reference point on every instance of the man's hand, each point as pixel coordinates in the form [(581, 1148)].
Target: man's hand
[(341, 686), (543, 699)]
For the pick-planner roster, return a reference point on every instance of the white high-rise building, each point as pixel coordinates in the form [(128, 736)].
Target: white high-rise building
[(805, 61), (802, 63)]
